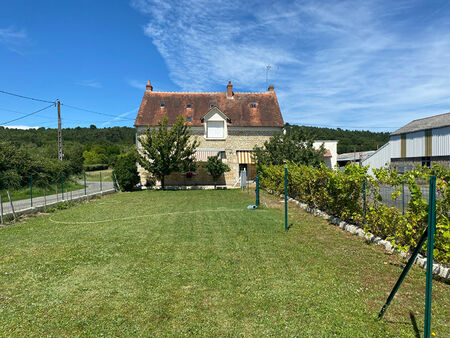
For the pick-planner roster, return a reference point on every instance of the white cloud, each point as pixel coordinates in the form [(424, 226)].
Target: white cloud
[(90, 83), (13, 39), (20, 127), (354, 63)]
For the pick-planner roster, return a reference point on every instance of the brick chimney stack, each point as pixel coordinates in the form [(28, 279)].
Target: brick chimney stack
[(229, 90), (149, 87), (271, 88)]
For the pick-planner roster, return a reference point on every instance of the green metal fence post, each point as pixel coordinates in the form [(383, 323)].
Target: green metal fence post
[(84, 183), (62, 187), (257, 188), (101, 188), (364, 201), (285, 198), (31, 191), (430, 248), (403, 197)]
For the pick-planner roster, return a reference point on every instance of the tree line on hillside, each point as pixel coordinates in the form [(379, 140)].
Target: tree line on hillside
[(349, 140)]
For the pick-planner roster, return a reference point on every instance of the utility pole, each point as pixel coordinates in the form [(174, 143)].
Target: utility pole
[(60, 151)]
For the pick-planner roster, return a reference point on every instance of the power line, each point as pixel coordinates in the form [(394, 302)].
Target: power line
[(26, 97), (22, 117), (94, 112)]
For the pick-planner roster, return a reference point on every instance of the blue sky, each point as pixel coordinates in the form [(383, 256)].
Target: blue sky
[(342, 63)]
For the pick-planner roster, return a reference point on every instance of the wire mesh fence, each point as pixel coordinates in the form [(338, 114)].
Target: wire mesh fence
[(37, 194)]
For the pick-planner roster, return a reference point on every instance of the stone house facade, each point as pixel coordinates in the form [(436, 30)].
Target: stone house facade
[(227, 124)]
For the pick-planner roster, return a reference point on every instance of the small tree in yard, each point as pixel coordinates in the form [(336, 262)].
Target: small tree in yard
[(216, 168), (166, 150), (125, 172), (293, 145)]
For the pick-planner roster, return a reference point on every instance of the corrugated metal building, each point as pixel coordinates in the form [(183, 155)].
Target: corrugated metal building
[(421, 142)]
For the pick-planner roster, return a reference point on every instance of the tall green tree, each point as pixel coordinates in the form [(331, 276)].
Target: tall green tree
[(166, 150), (294, 145), (216, 168)]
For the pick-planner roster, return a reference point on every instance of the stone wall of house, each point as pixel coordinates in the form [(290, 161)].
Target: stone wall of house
[(238, 138), (412, 162)]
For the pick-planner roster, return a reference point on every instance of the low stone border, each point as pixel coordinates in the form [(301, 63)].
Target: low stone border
[(438, 269), (36, 209)]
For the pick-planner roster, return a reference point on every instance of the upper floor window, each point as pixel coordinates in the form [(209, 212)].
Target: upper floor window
[(211, 105), (162, 105), (215, 129), (188, 106), (252, 105)]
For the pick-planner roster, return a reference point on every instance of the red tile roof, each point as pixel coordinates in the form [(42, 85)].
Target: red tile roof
[(266, 114)]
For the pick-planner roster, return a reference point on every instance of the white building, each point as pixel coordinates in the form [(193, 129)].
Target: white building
[(421, 142), (330, 156)]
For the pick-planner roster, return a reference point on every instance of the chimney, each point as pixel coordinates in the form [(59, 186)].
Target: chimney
[(229, 90), (271, 88), (149, 87)]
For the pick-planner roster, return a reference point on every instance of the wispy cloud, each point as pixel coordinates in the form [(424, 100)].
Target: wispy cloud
[(360, 63), (14, 39), (137, 84), (120, 117), (90, 83)]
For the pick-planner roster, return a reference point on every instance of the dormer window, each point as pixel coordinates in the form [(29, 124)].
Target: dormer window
[(188, 106), (211, 105), (162, 105), (252, 105)]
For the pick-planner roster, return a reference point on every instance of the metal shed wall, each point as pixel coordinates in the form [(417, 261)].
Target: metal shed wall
[(441, 141), (415, 144), (395, 146), (380, 158)]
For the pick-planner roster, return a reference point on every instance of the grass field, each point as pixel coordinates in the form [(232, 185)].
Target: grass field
[(199, 263), (24, 193)]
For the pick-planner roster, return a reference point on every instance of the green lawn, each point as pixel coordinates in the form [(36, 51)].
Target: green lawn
[(170, 263), (24, 193)]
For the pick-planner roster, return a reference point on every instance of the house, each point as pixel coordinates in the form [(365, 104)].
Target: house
[(227, 123), (421, 142), (330, 156)]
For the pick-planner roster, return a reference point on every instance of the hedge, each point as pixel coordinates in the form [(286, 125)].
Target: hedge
[(339, 193)]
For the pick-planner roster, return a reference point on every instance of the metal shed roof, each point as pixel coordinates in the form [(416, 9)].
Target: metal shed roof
[(437, 121)]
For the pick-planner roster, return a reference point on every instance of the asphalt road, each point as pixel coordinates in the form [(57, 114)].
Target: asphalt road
[(92, 187)]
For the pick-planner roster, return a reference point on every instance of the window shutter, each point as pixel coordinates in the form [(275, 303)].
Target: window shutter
[(215, 129)]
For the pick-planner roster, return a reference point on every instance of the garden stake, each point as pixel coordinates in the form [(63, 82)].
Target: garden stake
[(430, 248), (56, 190), (403, 274), (257, 189), (84, 183), (31, 190), (101, 188), (1, 208), (285, 198)]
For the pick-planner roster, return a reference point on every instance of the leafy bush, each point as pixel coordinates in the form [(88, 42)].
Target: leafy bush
[(125, 171), (340, 193)]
